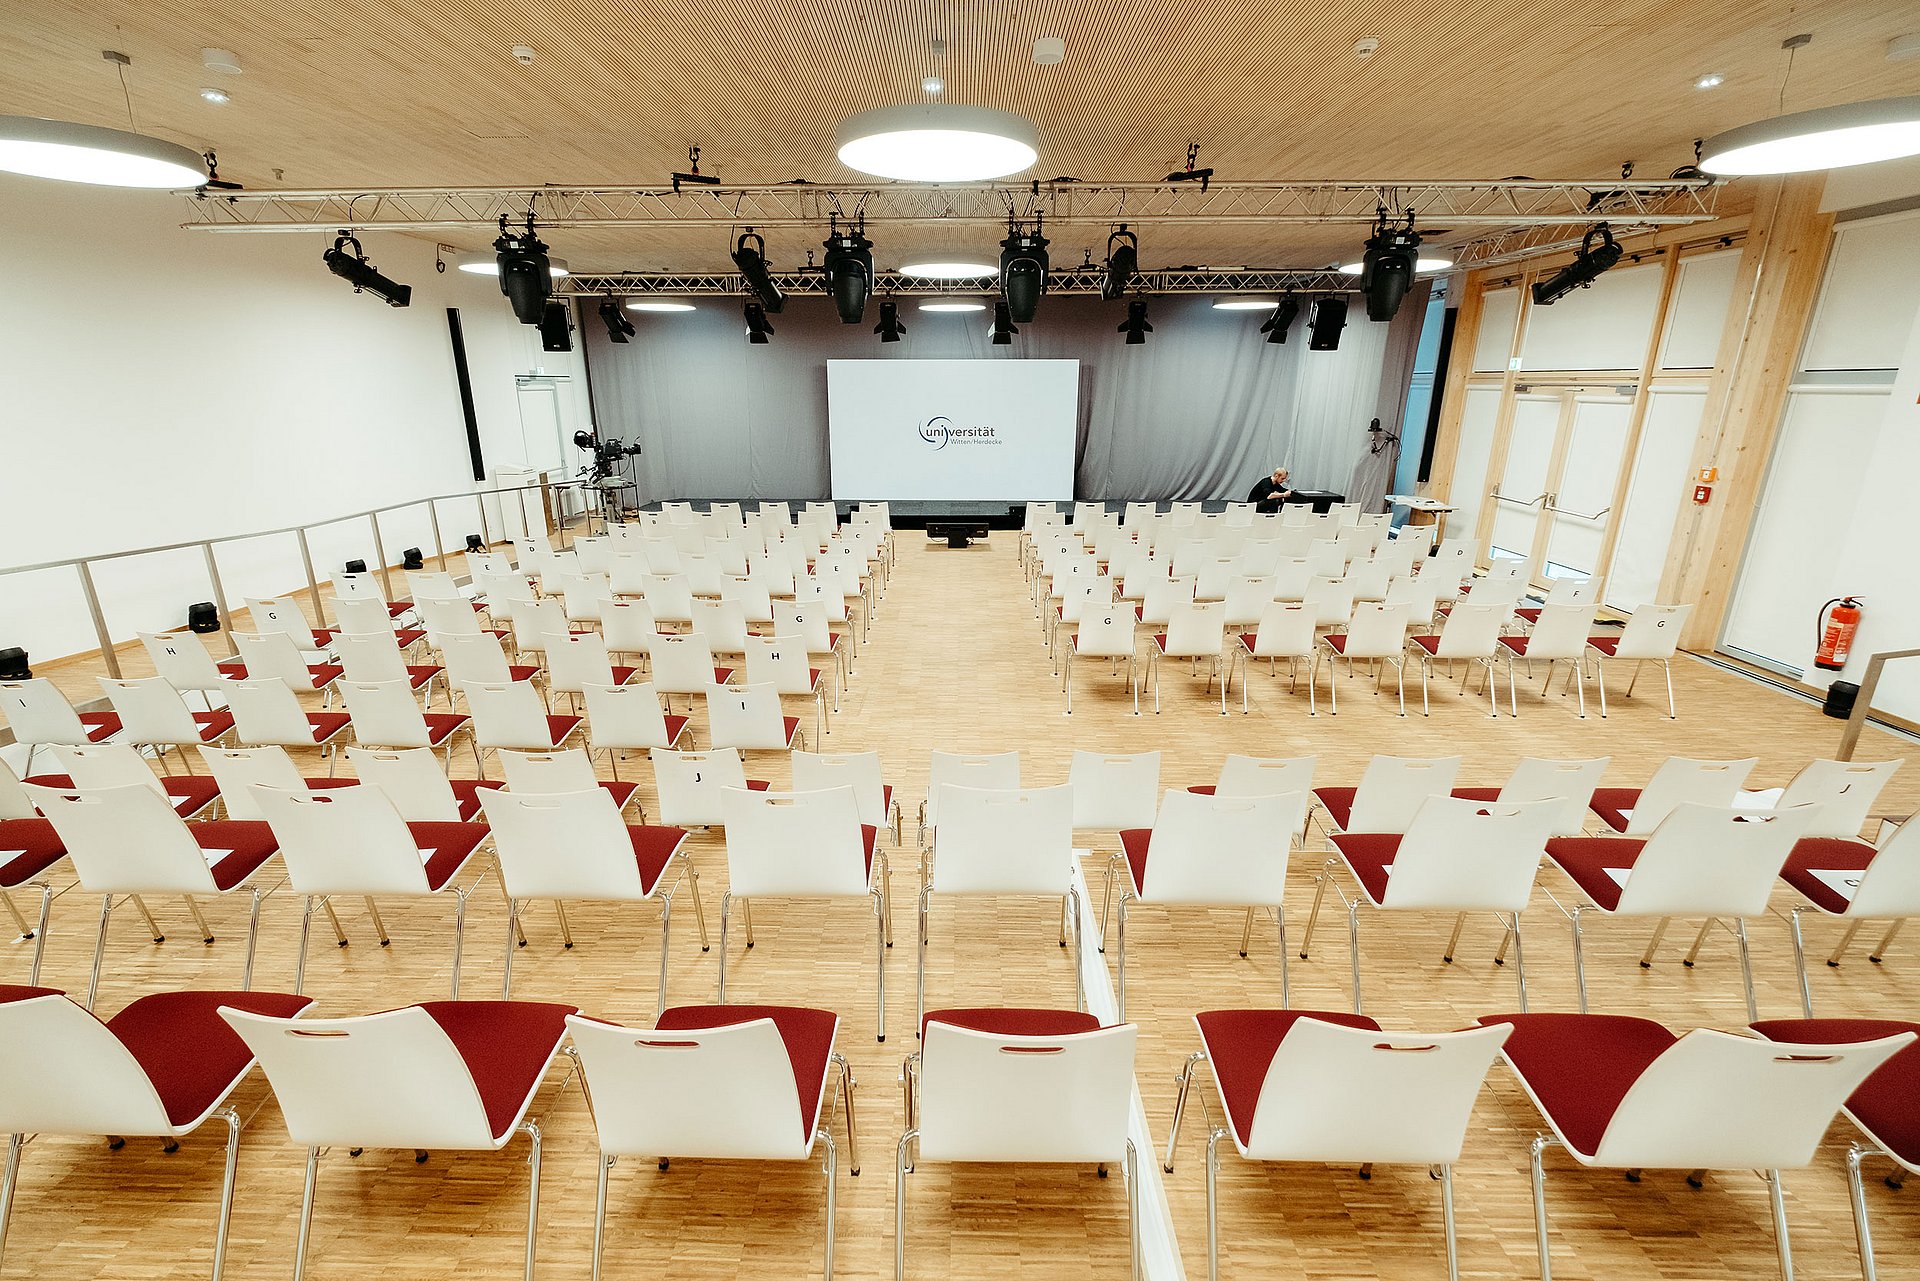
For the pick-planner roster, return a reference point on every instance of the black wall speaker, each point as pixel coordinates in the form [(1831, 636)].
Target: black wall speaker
[(203, 617)]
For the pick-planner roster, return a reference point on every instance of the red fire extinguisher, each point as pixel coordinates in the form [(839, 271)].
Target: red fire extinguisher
[(1837, 622)]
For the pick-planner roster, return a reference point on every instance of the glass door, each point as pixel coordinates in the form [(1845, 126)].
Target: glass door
[(1578, 507), (1523, 486)]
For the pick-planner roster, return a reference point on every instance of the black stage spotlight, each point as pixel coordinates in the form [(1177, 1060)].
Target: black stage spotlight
[(556, 326), (849, 268), (1123, 262), (1023, 268), (412, 559), (1583, 270), (13, 665), (619, 328), (751, 259), (1284, 314), (1386, 271), (526, 274), (202, 617), (1003, 328), (889, 327), (475, 543), (757, 326), (1135, 326), (1329, 318), (584, 439), (363, 275), (356, 567)]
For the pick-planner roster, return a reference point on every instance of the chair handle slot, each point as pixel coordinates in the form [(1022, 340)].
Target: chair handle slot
[(667, 1045), (1033, 1049), (1405, 1049)]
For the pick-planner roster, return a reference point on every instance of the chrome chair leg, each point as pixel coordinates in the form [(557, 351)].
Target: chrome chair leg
[(1863, 1235), (1534, 1153), (1446, 1217), (532, 1131), (1213, 1204), (14, 1142), (232, 1119), (1800, 963), (1580, 983), (306, 1215), (1782, 1242), (600, 1211), (900, 1205), (830, 1165)]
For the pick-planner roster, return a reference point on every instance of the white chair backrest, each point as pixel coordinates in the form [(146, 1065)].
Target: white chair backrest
[(435, 583), (1570, 783), (1332, 598), (794, 843), (69, 1075), (384, 713), (101, 765), (1222, 849), (182, 660), (733, 1090), (581, 594), (369, 657), (576, 660), (752, 594), (14, 801), (1653, 631), (682, 663), (1004, 841), (1105, 631), (534, 620), (1719, 1101), (1113, 791), (723, 622), (692, 784), (447, 616), (1337, 1093), (362, 614), (351, 586), (1844, 790), (562, 845), (391, 1080), (779, 661), (1378, 630), (1575, 591), (542, 773), (625, 716), (1464, 856), (479, 657), (1472, 629), (627, 573), (670, 596), (1703, 861), (509, 715), (1292, 575), (1265, 776), (1287, 630), (38, 712), (125, 840), (1393, 789), (281, 614), (1681, 780), (347, 840), (276, 656), (1890, 887), (411, 778), (151, 710), (500, 585), (998, 770), (815, 772), (626, 625), (1419, 593), (1370, 579), (1164, 596), (267, 712), (1196, 629), (1247, 598), (238, 769), (1025, 1098), (1561, 631), (745, 716)]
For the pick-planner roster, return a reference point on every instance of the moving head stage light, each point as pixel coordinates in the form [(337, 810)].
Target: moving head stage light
[(526, 274), (849, 268), (1386, 271), (363, 275), (619, 328), (1285, 312), (1023, 268)]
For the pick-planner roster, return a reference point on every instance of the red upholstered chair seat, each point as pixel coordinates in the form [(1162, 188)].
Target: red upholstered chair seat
[(1579, 1067), (1887, 1104), (1824, 854), (506, 1045), (1587, 858), (807, 1034), (1241, 1044), (1369, 856), (1016, 1021), (1337, 802)]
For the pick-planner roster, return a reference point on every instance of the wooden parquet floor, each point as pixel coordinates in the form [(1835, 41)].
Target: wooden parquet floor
[(955, 661)]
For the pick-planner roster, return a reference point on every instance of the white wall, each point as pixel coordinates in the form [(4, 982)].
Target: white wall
[(165, 386)]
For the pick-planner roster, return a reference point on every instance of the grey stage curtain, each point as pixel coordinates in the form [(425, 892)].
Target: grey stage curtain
[(1202, 409)]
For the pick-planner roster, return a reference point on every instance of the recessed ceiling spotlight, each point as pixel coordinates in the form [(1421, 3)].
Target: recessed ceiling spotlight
[(1712, 80), (658, 304), (938, 142), (950, 270), (953, 306), (1425, 263), (932, 85), (218, 97), (489, 265), (1244, 304)]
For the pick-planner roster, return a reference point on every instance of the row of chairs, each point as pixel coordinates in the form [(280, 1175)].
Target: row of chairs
[(995, 1085)]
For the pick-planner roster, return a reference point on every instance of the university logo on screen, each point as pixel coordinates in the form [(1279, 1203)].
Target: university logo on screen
[(940, 432)]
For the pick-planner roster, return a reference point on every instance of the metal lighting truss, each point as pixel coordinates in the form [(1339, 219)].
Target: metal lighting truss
[(1499, 210), (1070, 280)]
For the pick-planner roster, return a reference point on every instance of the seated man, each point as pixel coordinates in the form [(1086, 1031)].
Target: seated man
[(1271, 491)]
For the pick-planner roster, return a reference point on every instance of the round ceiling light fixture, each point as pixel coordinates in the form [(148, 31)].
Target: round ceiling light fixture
[(953, 306), (938, 142), (88, 153), (1246, 304), (1712, 80), (489, 265), (1854, 133), (953, 269), (1425, 262), (658, 304)]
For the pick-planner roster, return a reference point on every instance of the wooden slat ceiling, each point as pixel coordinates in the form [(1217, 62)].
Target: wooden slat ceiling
[(426, 92)]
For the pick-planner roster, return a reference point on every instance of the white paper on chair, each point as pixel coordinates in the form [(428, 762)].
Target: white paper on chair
[(7, 856), (214, 856), (1845, 884), (1764, 799), (426, 854), (1619, 875), (1626, 817)]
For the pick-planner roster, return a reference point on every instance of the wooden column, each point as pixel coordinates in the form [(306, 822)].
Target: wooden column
[(1780, 272), (1453, 395)]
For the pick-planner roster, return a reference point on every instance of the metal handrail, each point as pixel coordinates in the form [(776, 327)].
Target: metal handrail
[(1863, 701), (1568, 511)]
